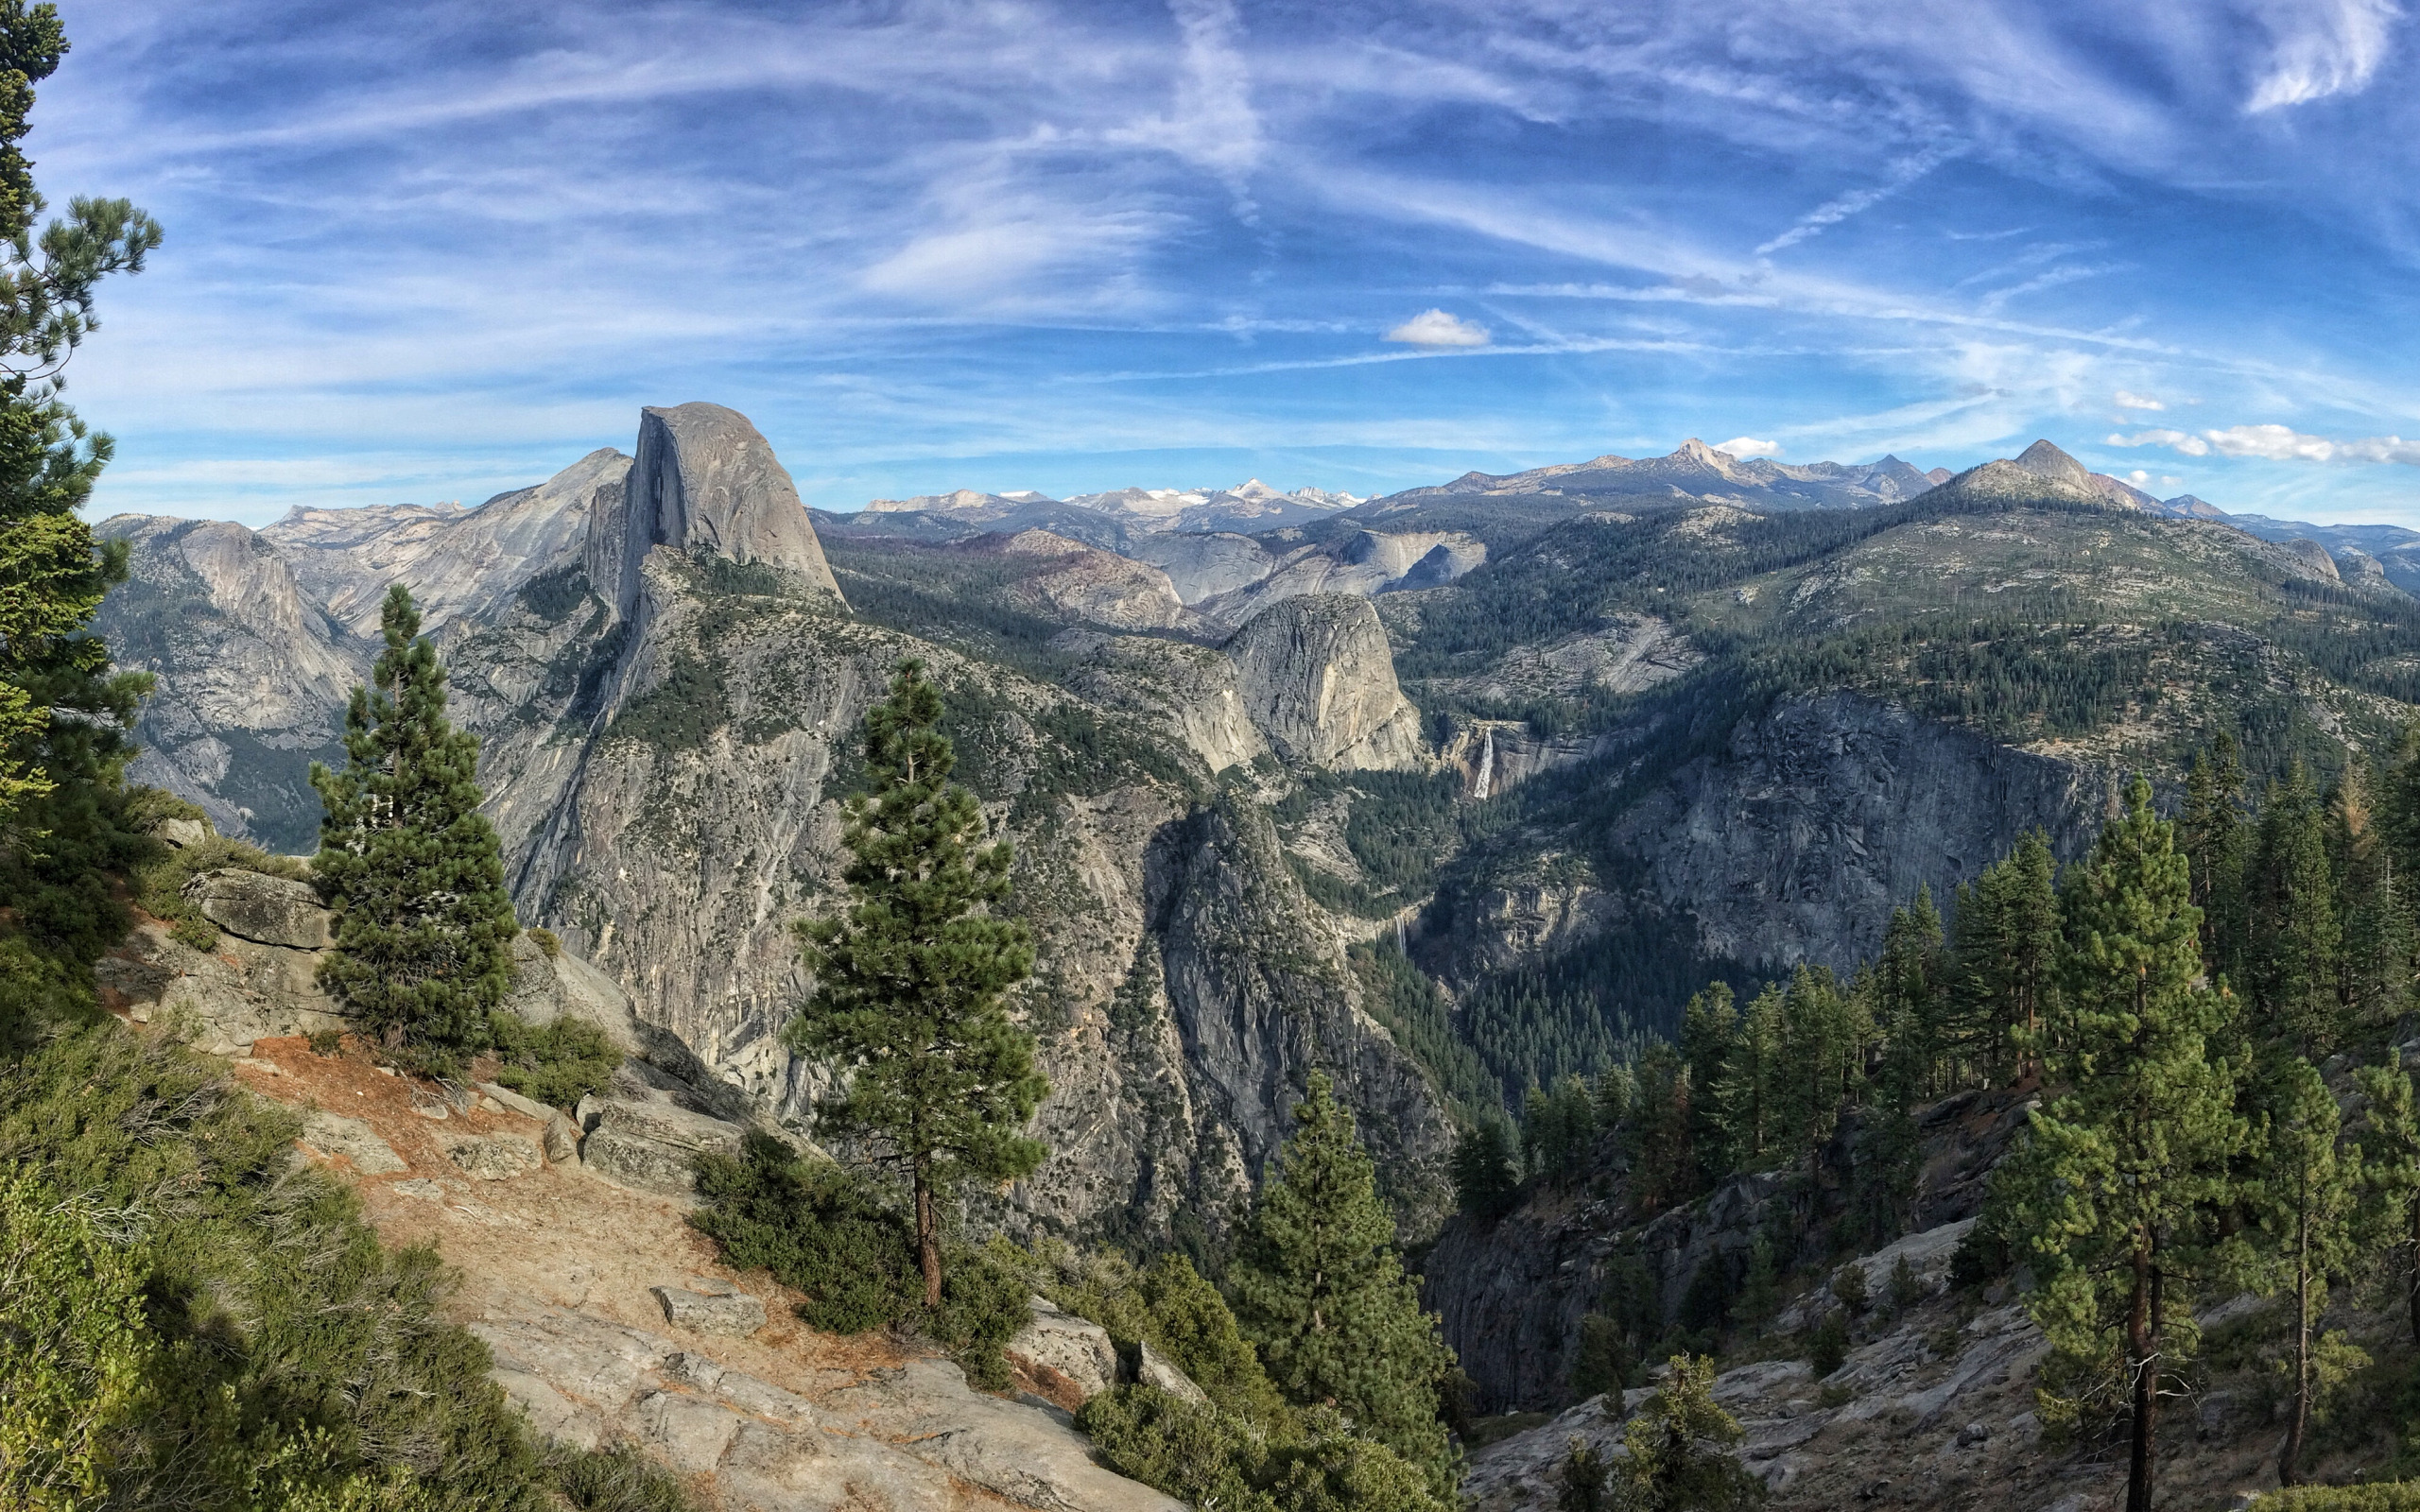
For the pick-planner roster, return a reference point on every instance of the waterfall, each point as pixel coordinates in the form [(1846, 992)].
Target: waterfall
[(1486, 768)]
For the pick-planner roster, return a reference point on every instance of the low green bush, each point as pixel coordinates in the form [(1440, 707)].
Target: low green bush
[(825, 1231), (2394, 1496), (1170, 1305), (1207, 1456), (557, 1063), (616, 1479), (286, 1359)]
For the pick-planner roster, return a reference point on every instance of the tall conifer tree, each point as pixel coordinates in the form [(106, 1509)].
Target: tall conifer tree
[(409, 864), (1319, 1288), (53, 573), (2306, 1199), (2374, 965), (909, 982), (2391, 1172), (2114, 1192), (2212, 833), (2294, 929)]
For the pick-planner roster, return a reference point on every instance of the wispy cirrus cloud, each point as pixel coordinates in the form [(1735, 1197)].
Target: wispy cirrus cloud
[(2278, 444), (464, 240)]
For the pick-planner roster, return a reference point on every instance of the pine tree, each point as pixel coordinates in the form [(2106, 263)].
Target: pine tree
[(1319, 1287), (1709, 1040), (2293, 919), (1822, 1059), (2113, 1190), (2307, 1201), (1677, 1441), (1743, 1098), (2007, 949), (2213, 836), (2391, 1172), (1663, 1162), (937, 1082), (53, 573), (2374, 965), (1485, 1183), (424, 926)]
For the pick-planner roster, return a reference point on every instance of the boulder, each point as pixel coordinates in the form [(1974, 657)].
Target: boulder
[(546, 988), (496, 1156), (526, 1107), (650, 1145), (1152, 1369), (706, 1305), (181, 834), (333, 1135), (263, 909), (1075, 1353), (561, 1141)]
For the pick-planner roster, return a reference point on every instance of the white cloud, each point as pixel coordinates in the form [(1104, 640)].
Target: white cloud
[(2138, 477), (2184, 441), (1903, 173), (1744, 447), (2330, 48), (2278, 444), (2127, 401), (1435, 328)]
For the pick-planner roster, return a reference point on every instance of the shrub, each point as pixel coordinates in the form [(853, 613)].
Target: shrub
[(983, 1305), (816, 1227), (1175, 1310), (300, 1363), (547, 944), (1905, 1290), (557, 1063), (326, 1041), (1848, 1287), (615, 1479), (1198, 1454), (2393, 1496)]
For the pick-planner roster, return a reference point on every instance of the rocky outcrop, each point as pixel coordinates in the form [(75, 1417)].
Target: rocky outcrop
[(1071, 1357), (1825, 812), (1317, 678), (639, 1135), (705, 480), (1191, 692), (709, 1305), (219, 1000), (1096, 585), (892, 1440), (263, 909), (1360, 564), (1261, 994)]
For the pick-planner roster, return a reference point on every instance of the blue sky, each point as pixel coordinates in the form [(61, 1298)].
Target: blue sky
[(431, 251)]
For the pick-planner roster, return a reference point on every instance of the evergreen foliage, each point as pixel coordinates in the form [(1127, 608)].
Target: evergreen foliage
[(1677, 1441), (1486, 1182), (2305, 1201), (410, 866), (2115, 1190), (1318, 1286), (2390, 1173), (824, 1233), (556, 1063), (909, 980)]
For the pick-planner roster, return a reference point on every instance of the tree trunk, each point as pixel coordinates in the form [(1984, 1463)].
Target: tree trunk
[(2415, 1267), (2290, 1457), (2143, 1361), (928, 1240)]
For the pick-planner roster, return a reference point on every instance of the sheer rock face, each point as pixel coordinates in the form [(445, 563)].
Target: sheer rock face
[(1096, 585), (1262, 997), (252, 673), (705, 480), (1830, 811), (1317, 678)]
